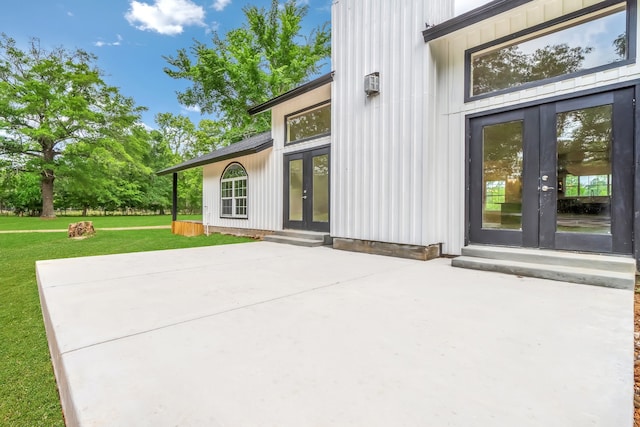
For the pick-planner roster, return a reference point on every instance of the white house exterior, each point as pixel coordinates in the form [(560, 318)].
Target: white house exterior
[(485, 129)]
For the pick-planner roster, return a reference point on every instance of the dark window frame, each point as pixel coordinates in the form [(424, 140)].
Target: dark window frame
[(233, 215), (295, 113), (631, 11)]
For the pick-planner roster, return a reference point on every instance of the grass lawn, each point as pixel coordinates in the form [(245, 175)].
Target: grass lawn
[(62, 222), (28, 395)]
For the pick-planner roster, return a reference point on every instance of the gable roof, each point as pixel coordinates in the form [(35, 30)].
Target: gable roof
[(307, 87), (472, 17), (251, 145)]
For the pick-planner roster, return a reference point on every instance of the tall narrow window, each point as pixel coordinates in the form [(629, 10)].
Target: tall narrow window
[(233, 192)]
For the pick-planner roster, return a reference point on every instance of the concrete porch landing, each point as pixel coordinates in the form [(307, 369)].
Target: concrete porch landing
[(263, 334)]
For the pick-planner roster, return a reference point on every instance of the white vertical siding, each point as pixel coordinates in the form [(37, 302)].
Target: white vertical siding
[(383, 186), (451, 109), (265, 172), (264, 197)]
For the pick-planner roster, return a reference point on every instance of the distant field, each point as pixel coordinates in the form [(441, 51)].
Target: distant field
[(62, 222), (28, 395)]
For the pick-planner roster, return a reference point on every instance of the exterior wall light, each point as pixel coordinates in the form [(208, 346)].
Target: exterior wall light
[(372, 84)]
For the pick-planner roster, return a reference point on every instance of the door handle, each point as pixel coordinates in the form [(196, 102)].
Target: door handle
[(547, 188)]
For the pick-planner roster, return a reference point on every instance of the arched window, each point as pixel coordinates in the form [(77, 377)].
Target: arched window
[(233, 192)]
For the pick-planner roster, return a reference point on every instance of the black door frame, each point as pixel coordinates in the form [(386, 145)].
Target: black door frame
[(528, 235), (542, 115), (307, 222)]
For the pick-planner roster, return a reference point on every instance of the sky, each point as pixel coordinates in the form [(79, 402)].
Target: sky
[(130, 37)]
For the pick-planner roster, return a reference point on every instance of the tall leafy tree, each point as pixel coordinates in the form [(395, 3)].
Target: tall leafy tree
[(177, 131), (267, 56), (51, 100)]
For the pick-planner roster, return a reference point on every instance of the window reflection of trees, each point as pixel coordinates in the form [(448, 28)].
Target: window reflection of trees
[(502, 146), (584, 150), (521, 63), (309, 124)]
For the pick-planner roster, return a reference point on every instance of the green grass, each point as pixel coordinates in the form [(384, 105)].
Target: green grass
[(62, 222), (28, 395)]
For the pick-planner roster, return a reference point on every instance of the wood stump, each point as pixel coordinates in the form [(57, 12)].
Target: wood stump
[(81, 229)]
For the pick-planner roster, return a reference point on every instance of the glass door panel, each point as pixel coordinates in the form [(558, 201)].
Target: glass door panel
[(306, 190), (584, 170), (321, 188), (559, 175), (502, 175), (296, 188)]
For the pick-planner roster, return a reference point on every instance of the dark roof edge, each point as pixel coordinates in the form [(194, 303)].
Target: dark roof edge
[(192, 164), (473, 16), (307, 87)]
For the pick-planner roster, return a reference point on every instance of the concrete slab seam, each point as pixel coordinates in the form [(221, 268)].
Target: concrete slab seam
[(206, 316)]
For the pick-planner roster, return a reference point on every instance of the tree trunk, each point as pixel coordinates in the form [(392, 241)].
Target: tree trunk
[(46, 185)]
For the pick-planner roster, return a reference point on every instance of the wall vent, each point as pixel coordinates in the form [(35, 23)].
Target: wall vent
[(372, 84)]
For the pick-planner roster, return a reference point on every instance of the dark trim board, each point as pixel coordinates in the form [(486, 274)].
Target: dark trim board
[(636, 218), (308, 87), (474, 16), (251, 145)]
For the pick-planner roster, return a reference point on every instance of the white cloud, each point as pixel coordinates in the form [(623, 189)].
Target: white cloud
[(69, 13), (165, 16), (101, 43), (219, 5)]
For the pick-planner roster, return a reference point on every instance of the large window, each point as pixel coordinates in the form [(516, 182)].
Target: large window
[(311, 123), (585, 40), (233, 192)]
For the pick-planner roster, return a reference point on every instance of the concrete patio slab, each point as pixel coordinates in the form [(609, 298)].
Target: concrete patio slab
[(263, 334)]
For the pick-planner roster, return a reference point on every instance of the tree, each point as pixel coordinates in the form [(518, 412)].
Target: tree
[(51, 101), (177, 131), (105, 174), (250, 65)]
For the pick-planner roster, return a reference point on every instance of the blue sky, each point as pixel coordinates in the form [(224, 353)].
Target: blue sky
[(130, 37)]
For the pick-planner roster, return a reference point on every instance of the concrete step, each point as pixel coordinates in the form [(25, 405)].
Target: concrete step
[(309, 235), (607, 263), (298, 241), (588, 276)]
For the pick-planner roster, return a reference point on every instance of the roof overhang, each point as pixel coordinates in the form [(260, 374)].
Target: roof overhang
[(472, 17), (307, 87), (251, 145)]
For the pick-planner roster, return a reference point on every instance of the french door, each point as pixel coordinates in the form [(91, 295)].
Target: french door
[(306, 190), (557, 176)]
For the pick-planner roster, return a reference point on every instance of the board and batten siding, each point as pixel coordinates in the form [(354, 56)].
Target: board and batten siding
[(264, 170), (449, 54), (388, 170), (263, 197)]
